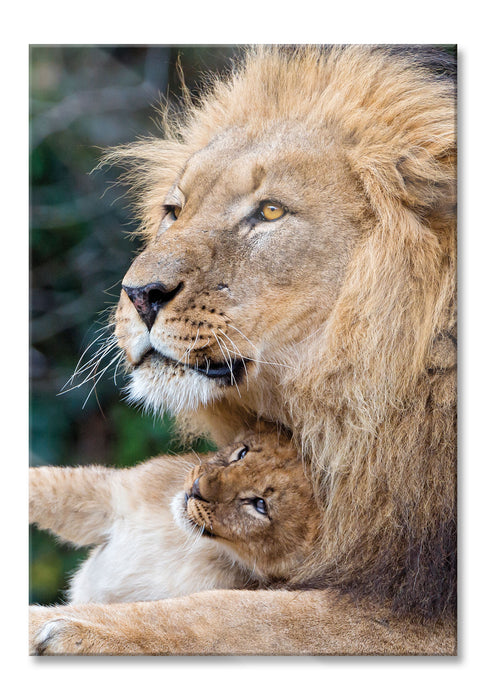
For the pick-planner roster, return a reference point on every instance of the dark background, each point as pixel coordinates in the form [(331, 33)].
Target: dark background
[(83, 99)]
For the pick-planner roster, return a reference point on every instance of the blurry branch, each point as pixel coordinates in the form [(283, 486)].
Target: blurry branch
[(107, 99), (81, 104), (68, 213), (64, 317)]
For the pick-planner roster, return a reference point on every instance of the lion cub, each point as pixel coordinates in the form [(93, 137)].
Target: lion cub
[(241, 518)]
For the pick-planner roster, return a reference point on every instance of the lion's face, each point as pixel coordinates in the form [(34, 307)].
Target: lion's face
[(253, 499), (254, 238)]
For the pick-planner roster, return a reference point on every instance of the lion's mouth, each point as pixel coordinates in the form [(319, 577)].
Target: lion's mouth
[(226, 373)]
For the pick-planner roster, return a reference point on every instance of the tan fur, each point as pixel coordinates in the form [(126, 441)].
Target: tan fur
[(235, 622), (154, 544), (345, 308)]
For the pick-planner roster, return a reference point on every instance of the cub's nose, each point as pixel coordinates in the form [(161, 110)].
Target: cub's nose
[(150, 299), (195, 491)]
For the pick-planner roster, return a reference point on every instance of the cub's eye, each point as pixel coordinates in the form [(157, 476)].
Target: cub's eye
[(260, 505), (242, 453), (271, 211), (238, 454)]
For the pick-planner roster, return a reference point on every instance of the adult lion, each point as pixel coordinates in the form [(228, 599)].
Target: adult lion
[(300, 266)]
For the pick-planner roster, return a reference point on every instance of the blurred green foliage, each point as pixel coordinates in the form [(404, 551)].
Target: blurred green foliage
[(84, 99)]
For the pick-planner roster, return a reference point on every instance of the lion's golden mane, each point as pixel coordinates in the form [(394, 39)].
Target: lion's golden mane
[(372, 408)]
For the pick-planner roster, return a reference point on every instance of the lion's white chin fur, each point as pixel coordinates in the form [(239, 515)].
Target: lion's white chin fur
[(162, 390)]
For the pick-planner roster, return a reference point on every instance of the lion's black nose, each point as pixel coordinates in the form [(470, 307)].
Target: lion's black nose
[(150, 299)]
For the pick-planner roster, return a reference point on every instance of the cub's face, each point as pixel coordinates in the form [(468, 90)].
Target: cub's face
[(253, 499), (253, 241)]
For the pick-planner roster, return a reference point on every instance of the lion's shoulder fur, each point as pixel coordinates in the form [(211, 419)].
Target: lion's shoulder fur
[(372, 403)]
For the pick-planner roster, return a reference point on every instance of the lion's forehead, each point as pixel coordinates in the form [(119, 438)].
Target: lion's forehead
[(229, 168)]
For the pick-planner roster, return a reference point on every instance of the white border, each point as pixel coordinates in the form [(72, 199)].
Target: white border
[(223, 22)]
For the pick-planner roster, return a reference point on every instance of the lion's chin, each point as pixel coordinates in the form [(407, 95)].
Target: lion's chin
[(160, 383), (177, 390)]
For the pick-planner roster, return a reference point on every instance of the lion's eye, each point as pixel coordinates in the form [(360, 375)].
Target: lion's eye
[(260, 506), (173, 211), (271, 211)]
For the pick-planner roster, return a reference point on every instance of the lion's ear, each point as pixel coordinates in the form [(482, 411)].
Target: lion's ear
[(400, 282), (421, 178), (428, 186)]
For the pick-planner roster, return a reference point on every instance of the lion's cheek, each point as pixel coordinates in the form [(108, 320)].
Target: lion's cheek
[(274, 315)]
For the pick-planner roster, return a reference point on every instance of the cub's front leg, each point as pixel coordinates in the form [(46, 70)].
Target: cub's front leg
[(234, 622), (75, 503)]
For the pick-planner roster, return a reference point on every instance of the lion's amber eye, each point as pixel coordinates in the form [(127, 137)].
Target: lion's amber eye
[(176, 212), (270, 211)]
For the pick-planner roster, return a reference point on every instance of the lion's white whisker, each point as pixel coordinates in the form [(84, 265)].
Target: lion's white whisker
[(230, 365), (100, 374), (237, 351), (92, 373), (105, 348), (227, 359), (255, 359), (189, 350)]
